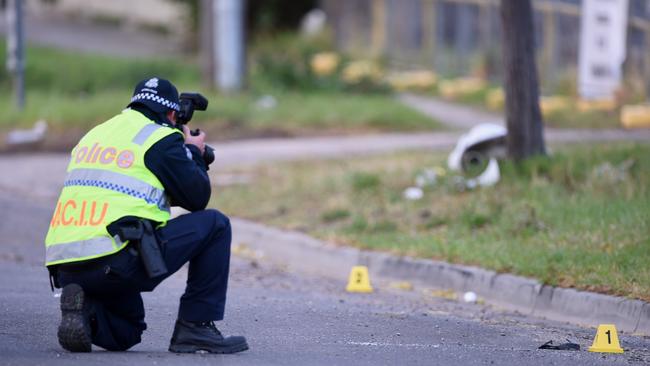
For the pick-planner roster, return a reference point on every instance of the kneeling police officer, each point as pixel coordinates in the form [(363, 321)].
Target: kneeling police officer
[(111, 236)]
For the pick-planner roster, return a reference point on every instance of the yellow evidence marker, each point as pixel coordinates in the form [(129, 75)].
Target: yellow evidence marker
[(606, 340), (359, 280)]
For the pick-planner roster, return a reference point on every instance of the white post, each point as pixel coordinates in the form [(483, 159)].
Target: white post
[(230, 45), (15, 49), (603, 35)]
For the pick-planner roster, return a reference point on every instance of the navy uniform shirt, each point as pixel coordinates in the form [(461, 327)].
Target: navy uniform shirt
[(179, 167)]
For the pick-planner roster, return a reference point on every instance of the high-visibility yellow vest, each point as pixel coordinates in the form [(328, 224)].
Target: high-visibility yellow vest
[(107, 179)]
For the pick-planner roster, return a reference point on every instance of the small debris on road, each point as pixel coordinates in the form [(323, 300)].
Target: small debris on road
[(402, 285), (244, 251), (445, 294), (569, 346), (470, 296)]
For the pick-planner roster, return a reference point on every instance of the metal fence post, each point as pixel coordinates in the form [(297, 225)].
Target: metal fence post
[(646, 38), (429, 29), (548, 48), (16, 50), (378, 27), (463, 36)]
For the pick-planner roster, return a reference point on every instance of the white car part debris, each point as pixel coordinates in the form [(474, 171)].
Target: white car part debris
[(482, 138), (33, 135), (476, 154), (413, 193), (488, 178), (428, 177)]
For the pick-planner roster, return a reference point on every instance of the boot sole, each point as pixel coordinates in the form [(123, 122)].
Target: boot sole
[(218, 350), (74, 331)]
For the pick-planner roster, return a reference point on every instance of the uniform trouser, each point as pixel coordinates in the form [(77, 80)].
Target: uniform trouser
[(113, 288)]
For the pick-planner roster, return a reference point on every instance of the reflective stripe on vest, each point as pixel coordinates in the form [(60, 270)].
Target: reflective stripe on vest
[(83, 248), (144, 133), (117, 182)]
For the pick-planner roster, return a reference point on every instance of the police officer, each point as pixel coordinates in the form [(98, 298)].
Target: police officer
[(125, 173)]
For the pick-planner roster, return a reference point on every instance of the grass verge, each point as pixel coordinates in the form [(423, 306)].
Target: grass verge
[(579, 219)]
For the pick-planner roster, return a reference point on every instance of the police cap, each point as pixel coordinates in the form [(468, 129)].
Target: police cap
[(157, 94)]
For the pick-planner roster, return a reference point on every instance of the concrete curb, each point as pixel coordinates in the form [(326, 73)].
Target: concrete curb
[(302, 253)]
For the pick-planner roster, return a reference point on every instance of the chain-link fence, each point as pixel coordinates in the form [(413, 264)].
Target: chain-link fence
[(462, 37)]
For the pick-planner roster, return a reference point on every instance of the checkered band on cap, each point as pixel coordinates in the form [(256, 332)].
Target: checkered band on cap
[(157, 99)]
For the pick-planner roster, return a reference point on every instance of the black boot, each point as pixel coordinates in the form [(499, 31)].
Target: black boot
[(190, 337), (74, 330)]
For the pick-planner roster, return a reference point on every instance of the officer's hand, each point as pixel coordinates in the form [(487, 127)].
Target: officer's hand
[(198, 140)]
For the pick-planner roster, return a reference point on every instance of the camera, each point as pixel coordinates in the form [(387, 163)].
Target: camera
[(189, 102)]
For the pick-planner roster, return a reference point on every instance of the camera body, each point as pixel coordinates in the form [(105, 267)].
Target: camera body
[(189, 102)]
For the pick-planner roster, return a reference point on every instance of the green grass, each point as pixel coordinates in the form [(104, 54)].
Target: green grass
[(72, 73), (579, 219), (75, 91), (323, 112)]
